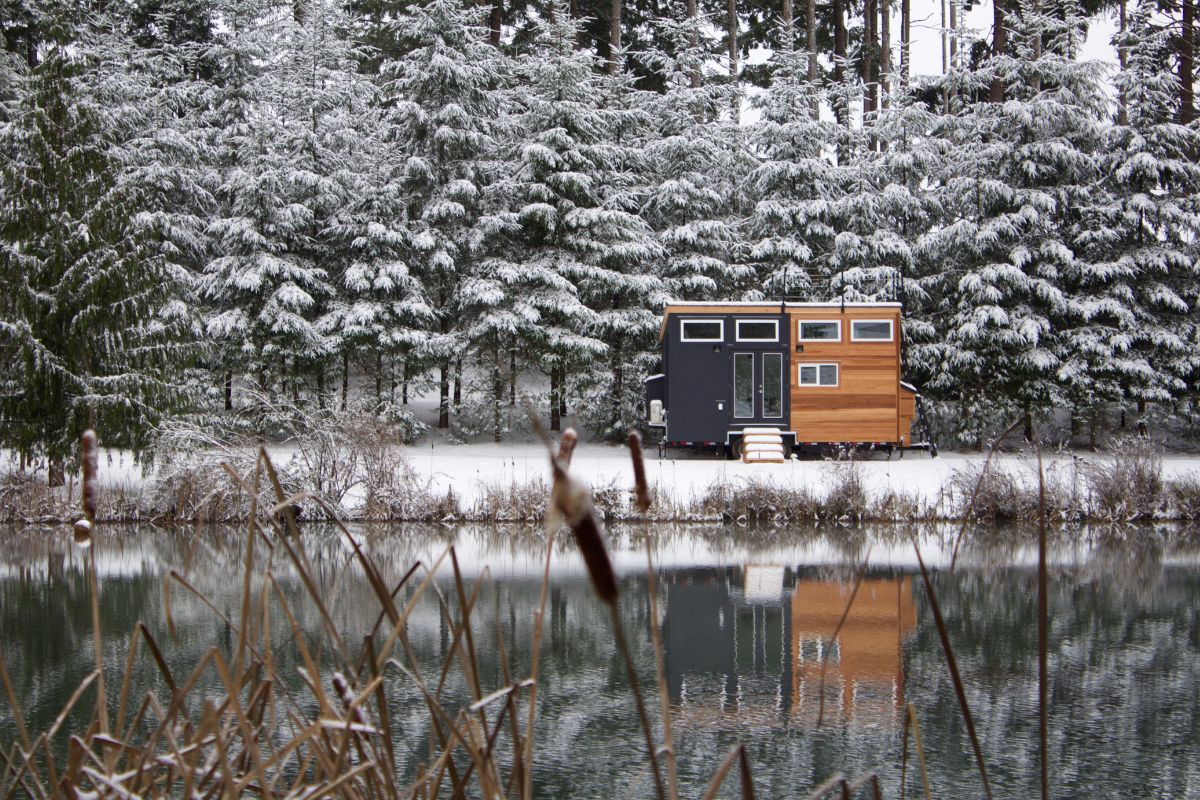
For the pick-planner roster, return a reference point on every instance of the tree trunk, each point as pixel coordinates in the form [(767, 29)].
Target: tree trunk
[(555, 412), (905, 42), (618, 368), (953, 34), (694, 43), (839, 60), (945, 57), (404, 383), (378, 378), (788, 42), (1141, 425), (562, 390), (229, 391), (345, 378), (497, 395), (1028, 427), (868, 62), (495, 22), (1123, 60), (512, 378), (444, 395), (810, 37), (999, 42), (457, 384), (1187, 67), (614, 37), (731, 33), (885, 51), (56, 474)]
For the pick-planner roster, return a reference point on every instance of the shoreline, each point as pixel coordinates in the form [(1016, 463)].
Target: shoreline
[(509, 483)]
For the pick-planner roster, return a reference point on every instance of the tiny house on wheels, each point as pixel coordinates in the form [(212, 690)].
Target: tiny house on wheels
[(759, 378)]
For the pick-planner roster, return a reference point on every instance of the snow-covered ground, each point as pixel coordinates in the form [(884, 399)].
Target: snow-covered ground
[(468, 467)]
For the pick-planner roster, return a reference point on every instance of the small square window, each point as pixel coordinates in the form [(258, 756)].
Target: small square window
[(820, 331), (818, 374), (702, 330), (753, 330), (871, 330)]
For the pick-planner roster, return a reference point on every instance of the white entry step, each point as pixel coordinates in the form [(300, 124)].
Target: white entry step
[(762, 445)]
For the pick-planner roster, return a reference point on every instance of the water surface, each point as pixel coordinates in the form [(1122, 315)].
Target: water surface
[(745, 616)]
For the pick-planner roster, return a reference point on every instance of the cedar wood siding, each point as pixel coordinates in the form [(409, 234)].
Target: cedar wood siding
[(865, 405)]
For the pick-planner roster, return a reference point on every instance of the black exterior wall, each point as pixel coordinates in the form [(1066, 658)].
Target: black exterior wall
[(698, 394)]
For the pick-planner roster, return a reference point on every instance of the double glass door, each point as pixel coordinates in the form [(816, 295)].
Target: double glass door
[(758, 387)]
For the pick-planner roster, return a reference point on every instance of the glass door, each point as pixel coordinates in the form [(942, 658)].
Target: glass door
[(758, 386)]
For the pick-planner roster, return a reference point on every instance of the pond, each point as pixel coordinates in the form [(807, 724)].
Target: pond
[(745, 616)]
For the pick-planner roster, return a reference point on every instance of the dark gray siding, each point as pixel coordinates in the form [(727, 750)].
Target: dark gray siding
[(699, 378)]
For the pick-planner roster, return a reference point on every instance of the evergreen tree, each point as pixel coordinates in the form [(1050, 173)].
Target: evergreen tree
[(576, 191), (1144, 235), (87, 318), (264, 288), (795, 184), (1013, 292), (697, 157), (443, 101)]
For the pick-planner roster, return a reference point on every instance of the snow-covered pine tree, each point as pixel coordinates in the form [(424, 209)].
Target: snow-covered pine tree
[(1145, 232), (326, 126), (1012, 292), (262, 286), (87, 318), (793, 188), (576, 191), (443, 98), (698, 158)]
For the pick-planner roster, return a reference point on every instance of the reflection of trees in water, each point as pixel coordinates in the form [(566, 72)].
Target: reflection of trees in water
[(1124, 647), (1124, 676)]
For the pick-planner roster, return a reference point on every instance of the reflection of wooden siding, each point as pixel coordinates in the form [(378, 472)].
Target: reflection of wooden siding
[(865, 406), (868, 663)]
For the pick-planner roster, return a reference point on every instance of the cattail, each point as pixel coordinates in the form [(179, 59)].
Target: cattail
[(91, 475), (641, 490), (83, 532), (566, 446), (575, 502)]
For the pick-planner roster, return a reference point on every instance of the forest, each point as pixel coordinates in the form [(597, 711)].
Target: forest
[(209, 208)]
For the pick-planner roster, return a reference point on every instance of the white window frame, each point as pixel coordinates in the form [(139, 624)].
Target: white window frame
[(800, 327), (891, 330), (800, 374), (737, 329), (683, 331)]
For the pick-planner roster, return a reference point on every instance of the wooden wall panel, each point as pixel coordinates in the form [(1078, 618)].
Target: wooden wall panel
[(866, 404)]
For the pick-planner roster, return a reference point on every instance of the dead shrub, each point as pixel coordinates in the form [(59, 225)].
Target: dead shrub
[(1125, 482), (846, 497), (1183, 496)]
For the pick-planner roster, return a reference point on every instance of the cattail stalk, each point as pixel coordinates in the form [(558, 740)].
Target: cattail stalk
[(640, 488), (574, 501)]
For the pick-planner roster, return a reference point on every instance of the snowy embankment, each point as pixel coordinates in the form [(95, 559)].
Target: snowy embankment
[(440, 480)]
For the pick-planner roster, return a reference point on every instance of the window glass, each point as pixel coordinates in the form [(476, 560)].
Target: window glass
[(772, 384), (818, 374), (702, 330), (743, 385), (757, 331), (820, 331), (879, 330)]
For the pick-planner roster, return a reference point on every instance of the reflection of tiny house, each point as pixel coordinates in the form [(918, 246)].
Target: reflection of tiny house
[(799, 373)]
